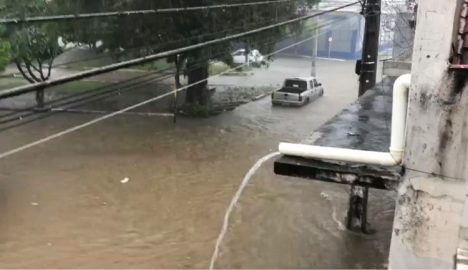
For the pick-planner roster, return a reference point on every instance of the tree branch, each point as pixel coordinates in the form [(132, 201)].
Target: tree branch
[(41, 71), (31, 73), (20, 69), (49, 69)]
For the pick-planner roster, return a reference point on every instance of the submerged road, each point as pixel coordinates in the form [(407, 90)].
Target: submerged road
[(141, 192)]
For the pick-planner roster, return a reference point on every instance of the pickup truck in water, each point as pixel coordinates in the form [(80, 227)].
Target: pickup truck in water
[(298, 91)]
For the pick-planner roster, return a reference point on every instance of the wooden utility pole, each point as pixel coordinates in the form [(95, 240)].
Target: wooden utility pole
[(370, 49), (313, 70), (357, 212)]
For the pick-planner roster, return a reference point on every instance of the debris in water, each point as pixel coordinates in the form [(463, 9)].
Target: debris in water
[(125, 180), (325, 196)]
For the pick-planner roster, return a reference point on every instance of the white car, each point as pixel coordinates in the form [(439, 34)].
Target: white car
[(298, 91), (254, 58)]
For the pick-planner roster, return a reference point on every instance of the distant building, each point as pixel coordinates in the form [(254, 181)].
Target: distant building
[(341, 39)]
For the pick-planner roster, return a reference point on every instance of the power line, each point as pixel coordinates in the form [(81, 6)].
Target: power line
[(107, 90), (127, 109), (153, 46), (17, 116), (133, 12), (93, 72), (75, 103), (435, 174)]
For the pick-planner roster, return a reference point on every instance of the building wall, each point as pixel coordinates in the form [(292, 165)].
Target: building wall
[(428, 227), (346, 37), (346, 34)]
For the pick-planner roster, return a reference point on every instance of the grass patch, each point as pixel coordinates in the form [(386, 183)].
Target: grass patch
[(156, 65), (78, 87), (7, 83), (161, 64), (235, 95), (220, 67), (72, 87)]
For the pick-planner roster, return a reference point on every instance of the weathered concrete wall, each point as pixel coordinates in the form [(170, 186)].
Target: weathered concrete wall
[(431, 203)]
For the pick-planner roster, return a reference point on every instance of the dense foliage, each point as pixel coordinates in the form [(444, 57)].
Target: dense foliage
[(34, 46)]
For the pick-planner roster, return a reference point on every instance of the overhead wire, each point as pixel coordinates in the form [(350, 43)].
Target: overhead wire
[(36, 19), (17, 116), (93, 72), (83, 96), (435, 174), (132, 107), (154, 46)]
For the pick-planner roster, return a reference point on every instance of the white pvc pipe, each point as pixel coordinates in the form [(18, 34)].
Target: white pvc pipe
[(400, 112), (397, 145)]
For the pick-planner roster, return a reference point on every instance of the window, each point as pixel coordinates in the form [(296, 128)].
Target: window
[(316, 84), (302, 85)]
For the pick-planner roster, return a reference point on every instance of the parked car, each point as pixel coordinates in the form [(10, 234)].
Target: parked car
[(298, 91), (254, 58)]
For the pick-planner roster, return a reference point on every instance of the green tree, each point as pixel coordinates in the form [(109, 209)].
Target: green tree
[(5, 51), (34, 50), (147, 34), (5, 55), (143, 35), (225, 22), (33, 47)]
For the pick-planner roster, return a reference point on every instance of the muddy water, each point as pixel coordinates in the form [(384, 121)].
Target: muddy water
[(63, 204)]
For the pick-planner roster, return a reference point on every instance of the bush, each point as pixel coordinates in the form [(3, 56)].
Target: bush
[(5, 54)]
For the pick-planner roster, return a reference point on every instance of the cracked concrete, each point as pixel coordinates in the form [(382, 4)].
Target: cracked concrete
[(432, 213)]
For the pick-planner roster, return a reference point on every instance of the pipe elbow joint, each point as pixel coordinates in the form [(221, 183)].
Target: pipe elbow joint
[(397, 155)]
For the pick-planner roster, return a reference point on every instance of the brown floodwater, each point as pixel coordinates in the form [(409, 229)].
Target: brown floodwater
[(65, 204)]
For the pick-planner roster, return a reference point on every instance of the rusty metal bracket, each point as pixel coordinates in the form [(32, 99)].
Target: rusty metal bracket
[(459, 67), (460, 58)]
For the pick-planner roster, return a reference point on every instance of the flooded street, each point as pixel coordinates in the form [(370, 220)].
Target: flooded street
[(142, 192)]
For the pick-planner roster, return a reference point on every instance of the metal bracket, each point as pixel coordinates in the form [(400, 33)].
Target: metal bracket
[(459, 67), (357, 211)]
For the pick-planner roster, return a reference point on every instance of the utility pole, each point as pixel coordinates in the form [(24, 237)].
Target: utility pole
[(313, 71), (367, 69), (370, 50), (315, 9)]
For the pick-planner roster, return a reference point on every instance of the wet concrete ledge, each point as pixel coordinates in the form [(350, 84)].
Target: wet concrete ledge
[(365, 125)]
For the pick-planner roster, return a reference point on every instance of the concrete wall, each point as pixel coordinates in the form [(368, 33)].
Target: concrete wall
[(431, 200), (346, 34)]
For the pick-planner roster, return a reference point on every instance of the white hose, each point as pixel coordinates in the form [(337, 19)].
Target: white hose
[(233, 204)]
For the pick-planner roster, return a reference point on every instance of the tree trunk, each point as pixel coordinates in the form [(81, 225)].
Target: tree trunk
[(197, 72), (178, 64), (247, 52)]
